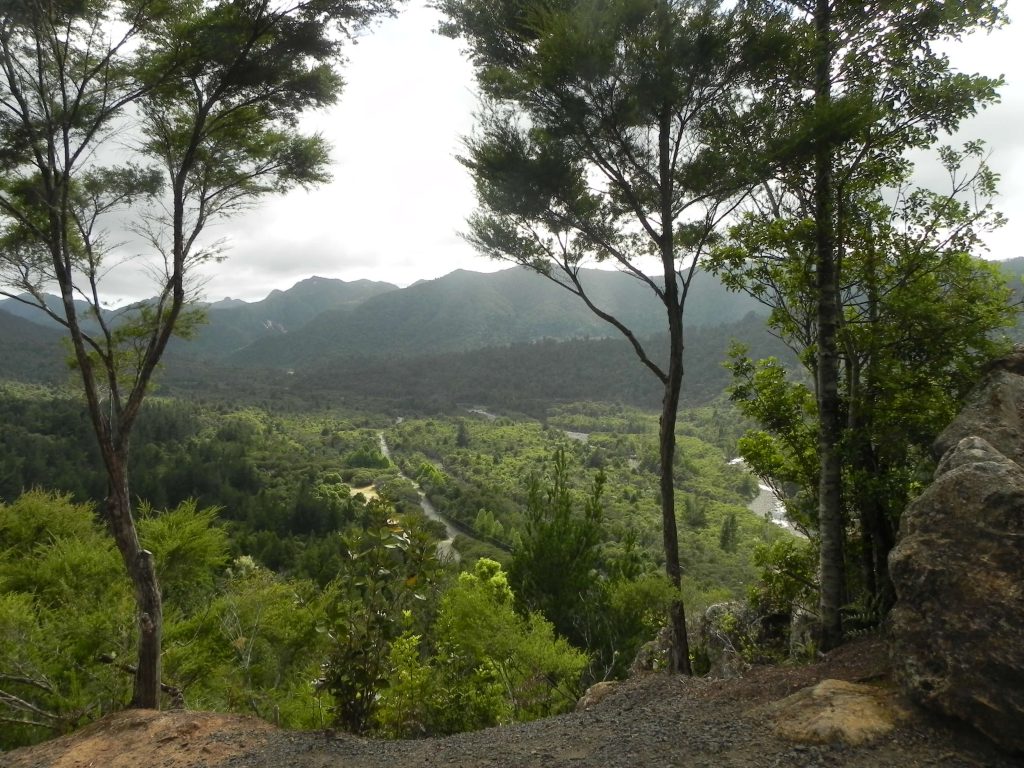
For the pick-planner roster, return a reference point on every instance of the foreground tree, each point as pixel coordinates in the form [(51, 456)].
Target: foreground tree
[(920, 316), (865, 87), (210, 94), (554, 569), (603, 140)]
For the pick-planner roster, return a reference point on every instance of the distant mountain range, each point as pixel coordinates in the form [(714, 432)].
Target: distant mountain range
[(233, 326), (318, 319), (470, 310), (365, 334)]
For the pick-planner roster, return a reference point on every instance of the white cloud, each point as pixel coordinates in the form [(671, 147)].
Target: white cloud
[(399, 198)]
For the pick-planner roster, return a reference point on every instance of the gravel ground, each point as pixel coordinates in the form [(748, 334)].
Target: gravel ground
[(652, 720), (655, 721)]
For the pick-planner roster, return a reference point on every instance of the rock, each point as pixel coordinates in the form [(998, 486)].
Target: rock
[(720, 639), (957, 630), (652, 655), (802, 627), (596, 693), (732, 637), (835, 710), (1013, 362), (725, 631), (995, 412)]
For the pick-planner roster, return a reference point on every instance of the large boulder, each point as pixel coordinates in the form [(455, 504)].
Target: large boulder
[(730, 637), (957, 630), (724, 632), (837, 711)]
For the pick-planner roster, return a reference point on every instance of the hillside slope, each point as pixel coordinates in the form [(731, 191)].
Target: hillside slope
[(30, 351), (520, 376)]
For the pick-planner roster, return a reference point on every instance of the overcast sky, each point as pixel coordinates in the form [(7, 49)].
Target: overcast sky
[(399, 198)]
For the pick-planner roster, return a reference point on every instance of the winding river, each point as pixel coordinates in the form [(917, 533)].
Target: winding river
[(445, 548)]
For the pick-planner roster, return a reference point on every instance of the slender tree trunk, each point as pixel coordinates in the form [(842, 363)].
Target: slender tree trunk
[(861, 465), (876, 532), (830, 522), (679, 651), (111, 437), (142, 571)]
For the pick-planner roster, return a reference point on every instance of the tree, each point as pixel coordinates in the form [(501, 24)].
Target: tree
[(555, 568), (830, 527), (729, 533), (482, 638), (866, 87), (603, 140), (391, 566), (920, 318), (212, 93)]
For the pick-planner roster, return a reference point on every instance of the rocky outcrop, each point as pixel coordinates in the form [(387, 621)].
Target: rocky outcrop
[(724, 631), (993, 412), (957, 631), (731, 637), (835, 710), (652, 655)]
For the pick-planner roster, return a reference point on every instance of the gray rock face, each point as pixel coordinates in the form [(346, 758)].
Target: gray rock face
[(652, 655), (957, 631), (994, 412)]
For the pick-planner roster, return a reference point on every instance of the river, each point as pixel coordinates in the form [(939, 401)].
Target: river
[(766, 504), (445, 548)]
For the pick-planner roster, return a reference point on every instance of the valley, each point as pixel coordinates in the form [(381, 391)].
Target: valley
[(744, 402), (328, 504)]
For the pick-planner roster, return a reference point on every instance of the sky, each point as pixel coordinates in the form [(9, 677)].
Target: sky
[(399, 197)]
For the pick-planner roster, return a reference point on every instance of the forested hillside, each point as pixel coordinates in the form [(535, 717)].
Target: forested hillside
[(528, 377), (247, 508), (508, 339), (681, 433)]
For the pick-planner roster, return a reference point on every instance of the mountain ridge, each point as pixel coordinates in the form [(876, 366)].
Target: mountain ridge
[(322, 328), (467, 310)]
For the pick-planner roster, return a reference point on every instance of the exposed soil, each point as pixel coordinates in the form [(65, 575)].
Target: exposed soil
[(652, 720)]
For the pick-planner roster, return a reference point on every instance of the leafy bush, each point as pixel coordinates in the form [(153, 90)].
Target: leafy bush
[(490, 664), (255, 647), (64, 604), (391, 566)]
